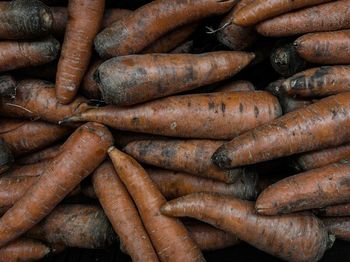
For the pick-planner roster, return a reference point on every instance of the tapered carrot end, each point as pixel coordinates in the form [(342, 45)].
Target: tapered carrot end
[(166, 209), (221, 159)]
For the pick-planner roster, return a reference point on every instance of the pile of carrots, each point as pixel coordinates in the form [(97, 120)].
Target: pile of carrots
[(174, 127)]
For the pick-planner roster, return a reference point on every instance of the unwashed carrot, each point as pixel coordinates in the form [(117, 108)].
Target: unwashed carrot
[(320, 125), (215, 115), (129, 80), (82, 153), (89, 86), (270, 234), (313, 189), (177, 245), (339, 227), (84, 21), (45, 154), (7, 86), (325, 17), (236, 86), (334, 211), (6, 157)]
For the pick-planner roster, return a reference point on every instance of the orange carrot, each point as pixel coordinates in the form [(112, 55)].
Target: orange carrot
[(31, 170), (45, 154), (334, 211), (123, 138)]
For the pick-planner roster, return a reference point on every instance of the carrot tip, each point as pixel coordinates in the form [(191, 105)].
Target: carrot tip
[(220, 159), (111, 148), (165, 209)]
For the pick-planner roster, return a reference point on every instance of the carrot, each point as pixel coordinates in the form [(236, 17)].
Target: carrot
[(24, 250), (24, 19), (338, 226), (84, 21), (7, 86), (184, 48), (135, 32), (177, 245), (89, 86), (270, 234), (122, 213), (45, 154), (123, 138), (31, 170), (326, 17), (191, 156), (6, 157), (15, 55), (24, 137), (325, 47), (236, 86), (133, 79), (316, 188), (43, 72), (84, 226), (261, 10), (334, 211), (176, 184), (114, 14), (320, 158), (215, 115), (320, 125), (37, 99), (82, 153)]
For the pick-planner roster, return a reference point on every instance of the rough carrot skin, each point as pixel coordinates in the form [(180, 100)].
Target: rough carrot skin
[(318, 82), (24, 137), (129, 80), (320, 158), (24, 19), (6, 157), (37, 99), (45, 154), (177, 245), (82, 153), (326, 17), (89, 86), (322, 124), (236, 86), (83, 226), (85, 18), (122, 213), (7, 86), (15, 55), (265, 233), (334, 211), (212, 116), (261, 10), (316, 188), (24, 249), (176, 184), (135, 32), (338, 226), (325, 47), (191, 156)]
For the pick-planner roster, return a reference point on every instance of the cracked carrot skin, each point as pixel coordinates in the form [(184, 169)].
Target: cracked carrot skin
[(133, 79), (135, 32), (334, 211), (338, 226), (122, 213), (313, 189), (270, 234), (211, 116), (323, 124), (325, 17), (84, 150), (37, 99), (85, 19), (177, 245)]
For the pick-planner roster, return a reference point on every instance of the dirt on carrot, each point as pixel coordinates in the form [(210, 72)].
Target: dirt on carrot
[(7, 86)]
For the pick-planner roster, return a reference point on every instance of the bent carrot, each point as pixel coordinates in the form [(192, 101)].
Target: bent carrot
[(214, 115), (82, 153), (7, 86), (265, 233), (334, 211), (45, 154), (338, 226), (129, 80), (84, 21), (177, 246), (6, 157), (322, 124)]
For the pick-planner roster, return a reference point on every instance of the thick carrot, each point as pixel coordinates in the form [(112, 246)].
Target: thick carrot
[(320, 158), (236, 86), (316, 188), (334, 211), (6, 157), (24, 19), (82, 153), (37, 99), (84, 21), (7, 86), (184, 48), (84, 226), (191, 156), (270, 234), (261, 10), (15, 55), (89, 86), (122, 213), (318, 82), (24, 137), (176, 184), (129, 80), (135, 32), (177, 245), (24, 250), (45, 154), (338, 226), (215, 115), (326, 17), (320, 125)]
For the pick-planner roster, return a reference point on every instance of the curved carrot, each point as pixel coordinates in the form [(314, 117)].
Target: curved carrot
[(338, 226), (236, 86), (7, 86), (310, 238), (85, 18), (45, 154), (334, 211), (177, 246)]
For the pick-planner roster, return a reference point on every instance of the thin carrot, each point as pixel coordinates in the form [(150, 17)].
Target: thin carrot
[(45, 154), (7, 86), (339, 227), (334, 211)]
